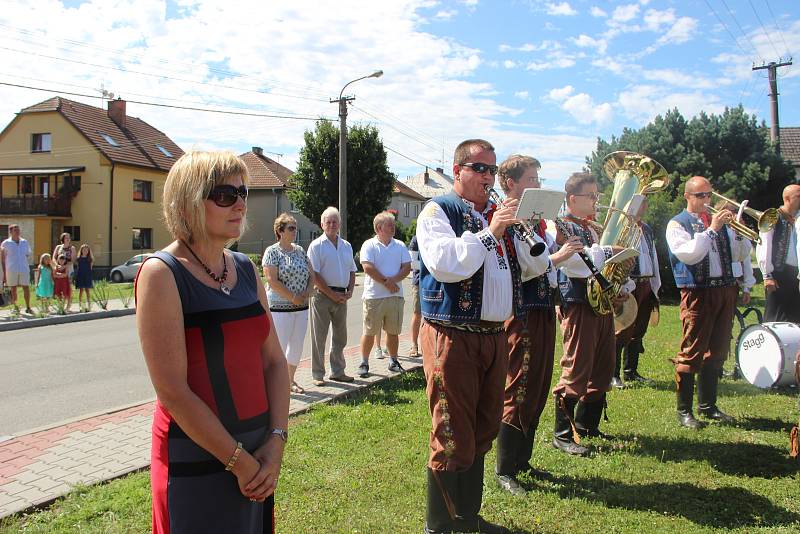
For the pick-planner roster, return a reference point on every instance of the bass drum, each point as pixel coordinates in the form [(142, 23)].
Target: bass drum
[(767, 352)]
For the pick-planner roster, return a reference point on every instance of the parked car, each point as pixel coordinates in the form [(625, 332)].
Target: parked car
[(128, 270)]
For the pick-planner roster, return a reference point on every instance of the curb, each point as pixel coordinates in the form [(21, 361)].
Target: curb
[(64, 319)]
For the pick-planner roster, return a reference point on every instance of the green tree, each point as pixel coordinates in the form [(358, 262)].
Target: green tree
[(315, 184), (732, 150)]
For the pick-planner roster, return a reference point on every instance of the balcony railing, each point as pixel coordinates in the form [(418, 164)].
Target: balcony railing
[(60, 206)]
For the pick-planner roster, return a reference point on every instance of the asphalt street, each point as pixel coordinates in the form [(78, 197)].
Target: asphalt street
[(50, 374)]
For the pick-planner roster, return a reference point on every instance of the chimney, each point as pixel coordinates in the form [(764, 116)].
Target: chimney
[(426, 177), (258, 151), (116, 111)]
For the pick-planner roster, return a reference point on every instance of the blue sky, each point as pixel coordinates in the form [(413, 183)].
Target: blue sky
[(536, 77)]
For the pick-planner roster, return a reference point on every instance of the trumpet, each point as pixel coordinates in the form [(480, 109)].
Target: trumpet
[(523, 230), (765, 220)]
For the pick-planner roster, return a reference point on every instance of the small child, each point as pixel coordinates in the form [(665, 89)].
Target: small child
[(83, 276), (62, 290), (44, 280)]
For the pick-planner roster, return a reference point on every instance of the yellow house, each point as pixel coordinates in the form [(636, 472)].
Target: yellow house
[(70, 167)]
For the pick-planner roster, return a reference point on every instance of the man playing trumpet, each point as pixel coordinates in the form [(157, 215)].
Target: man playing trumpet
[(701, 252)]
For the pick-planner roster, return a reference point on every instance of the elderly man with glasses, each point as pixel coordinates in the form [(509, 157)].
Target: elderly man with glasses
[(701, 252), (471, 271)]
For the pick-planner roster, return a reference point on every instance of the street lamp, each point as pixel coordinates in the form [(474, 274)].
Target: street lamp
[(343, 149)]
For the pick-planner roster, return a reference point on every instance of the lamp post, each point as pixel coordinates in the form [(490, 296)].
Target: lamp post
[(343, 149)]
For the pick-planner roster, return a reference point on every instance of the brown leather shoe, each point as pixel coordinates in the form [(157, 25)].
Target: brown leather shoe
[(342, 378)]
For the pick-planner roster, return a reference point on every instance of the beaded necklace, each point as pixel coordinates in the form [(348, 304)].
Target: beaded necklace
[(219, 279)]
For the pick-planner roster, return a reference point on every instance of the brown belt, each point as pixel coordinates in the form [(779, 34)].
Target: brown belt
[(482, 327)]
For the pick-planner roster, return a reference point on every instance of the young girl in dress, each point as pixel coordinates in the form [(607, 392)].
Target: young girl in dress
[(44, 281), (83, 275), (62, 289)]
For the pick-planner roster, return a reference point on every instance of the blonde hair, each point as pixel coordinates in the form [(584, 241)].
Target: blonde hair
[(87, 247), (280, 223), (47, 257), (382, 217), (513, 168), (189, 182)]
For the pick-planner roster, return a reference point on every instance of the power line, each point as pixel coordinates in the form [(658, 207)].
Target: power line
[(398, 130), (409, 158), (173, 106), (735, 40), (763, 28), (741, 29), (780, 32)]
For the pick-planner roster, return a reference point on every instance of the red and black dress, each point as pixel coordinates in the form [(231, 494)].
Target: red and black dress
[(192, 492)]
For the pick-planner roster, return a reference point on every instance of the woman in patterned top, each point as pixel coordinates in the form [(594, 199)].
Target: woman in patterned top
[(220, 422), (290, 277)]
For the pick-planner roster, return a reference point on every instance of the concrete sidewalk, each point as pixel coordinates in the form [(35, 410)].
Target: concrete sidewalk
[(42, 465)]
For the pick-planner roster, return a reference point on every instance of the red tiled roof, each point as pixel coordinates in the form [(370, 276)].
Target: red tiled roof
[(403, 189), (790, 144), (265, 172), (136, 141)]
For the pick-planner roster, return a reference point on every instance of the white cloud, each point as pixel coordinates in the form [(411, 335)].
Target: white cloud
[(643, 102), (560, 9), (522, 95), (445, 14), (597, 12), (584, 41), (530, 47), (581, 106), (561, 94), (555, 63), (682, 31), (509, 64), (625, 12), (655, 20)]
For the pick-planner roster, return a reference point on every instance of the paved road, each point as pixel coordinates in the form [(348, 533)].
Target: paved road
[(52, 373)]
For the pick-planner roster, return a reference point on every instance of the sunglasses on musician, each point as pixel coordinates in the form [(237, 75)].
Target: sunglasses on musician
[(702, 194), (225, 196), (593, 196), (481, 168)]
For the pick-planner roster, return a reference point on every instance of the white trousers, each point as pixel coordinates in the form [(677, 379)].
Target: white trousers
[(291, 329)]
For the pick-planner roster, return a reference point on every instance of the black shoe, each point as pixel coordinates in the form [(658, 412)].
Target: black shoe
[(687, 419), (716, 414), (634, 376), (617, 382), (479, 525), (570, 447), (510, 484), (395, 366)]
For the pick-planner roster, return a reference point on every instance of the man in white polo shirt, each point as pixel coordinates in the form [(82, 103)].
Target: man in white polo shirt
[(15, 253), (386, 263), (331, 258)]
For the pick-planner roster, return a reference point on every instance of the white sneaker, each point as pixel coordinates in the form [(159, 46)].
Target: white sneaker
[(379, 353)]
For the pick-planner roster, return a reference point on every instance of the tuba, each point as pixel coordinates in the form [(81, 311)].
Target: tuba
[(634, 175)]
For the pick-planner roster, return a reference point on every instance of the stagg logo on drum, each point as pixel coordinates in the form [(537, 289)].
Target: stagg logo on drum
[(753, 342)]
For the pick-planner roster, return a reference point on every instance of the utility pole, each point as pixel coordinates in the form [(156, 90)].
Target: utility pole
[(343, 100), (772, 68)]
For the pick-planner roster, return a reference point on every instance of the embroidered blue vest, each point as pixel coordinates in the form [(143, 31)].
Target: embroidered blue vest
[(697, 275), (647, 234), (573, 290), (536, 294), (460, 302), (780, 243)]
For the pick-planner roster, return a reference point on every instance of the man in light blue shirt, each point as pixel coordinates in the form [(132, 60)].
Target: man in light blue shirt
[(16, 255)]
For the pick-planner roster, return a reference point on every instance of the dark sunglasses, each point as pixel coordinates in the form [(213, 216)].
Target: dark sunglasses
[(702, 194), (481, 168), (291, 228), (224, 196)]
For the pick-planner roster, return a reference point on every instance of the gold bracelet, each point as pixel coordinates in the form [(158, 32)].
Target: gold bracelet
[(234, 456)]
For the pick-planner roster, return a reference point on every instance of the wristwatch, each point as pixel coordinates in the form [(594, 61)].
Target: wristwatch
[(283, 434)]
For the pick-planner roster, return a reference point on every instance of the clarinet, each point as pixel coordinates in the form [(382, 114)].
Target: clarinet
[(522, 230), (605, 285)]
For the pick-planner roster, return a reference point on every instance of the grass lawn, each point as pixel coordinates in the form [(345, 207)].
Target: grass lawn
[(359, 466), (123, 290)]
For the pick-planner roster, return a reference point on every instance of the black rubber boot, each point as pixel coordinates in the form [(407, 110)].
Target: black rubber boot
[(509, 442), (563, 437), (442, 496), (470, 498), (707, 396), (631, 369), (685, 394), (525, 453), (587, 418)]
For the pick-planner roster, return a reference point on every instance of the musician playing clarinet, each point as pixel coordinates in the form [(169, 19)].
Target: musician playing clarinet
[(701, 249), (531, 334), (471, 271), (587, 364)]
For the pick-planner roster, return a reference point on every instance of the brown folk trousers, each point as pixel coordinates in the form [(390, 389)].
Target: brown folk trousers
[(589, 352), (531, 345), (465, 373), (707, 318)]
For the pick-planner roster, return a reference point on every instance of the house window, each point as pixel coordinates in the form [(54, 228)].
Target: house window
[(416, 209), (293, 209), (74, 232), (143, 191), (26, 186), (405, 208), (72, 184), (41, 142), (142, 238), (165, 151), (109, 139)]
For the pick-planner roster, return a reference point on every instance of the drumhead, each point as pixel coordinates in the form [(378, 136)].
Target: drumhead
[(762, 353)]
